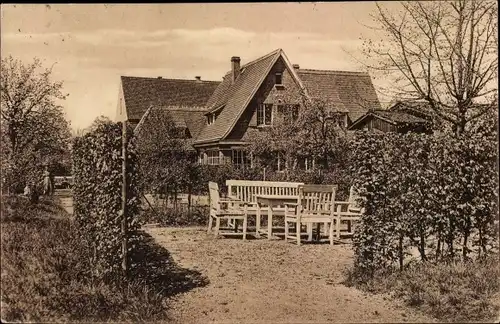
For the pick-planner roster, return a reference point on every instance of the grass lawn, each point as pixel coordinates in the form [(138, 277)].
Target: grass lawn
[(46, 272)]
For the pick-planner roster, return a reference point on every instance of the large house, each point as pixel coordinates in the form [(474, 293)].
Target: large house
[(218, 116)]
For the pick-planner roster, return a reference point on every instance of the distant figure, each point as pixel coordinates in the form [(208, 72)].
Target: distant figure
[(27, 190), (48, 182)]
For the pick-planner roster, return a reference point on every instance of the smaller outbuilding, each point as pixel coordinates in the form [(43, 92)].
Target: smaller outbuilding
[(391, 121)]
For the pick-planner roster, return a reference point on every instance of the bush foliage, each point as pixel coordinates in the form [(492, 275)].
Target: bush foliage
[(97, 192), (422, 191), (47, 272)]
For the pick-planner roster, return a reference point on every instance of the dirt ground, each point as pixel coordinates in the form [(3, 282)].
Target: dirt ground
[(261, 281)]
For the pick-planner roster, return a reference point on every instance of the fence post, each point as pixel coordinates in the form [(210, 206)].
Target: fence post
[(124, 199)]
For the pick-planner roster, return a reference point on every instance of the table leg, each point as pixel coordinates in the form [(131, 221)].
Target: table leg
[(257, 222), (270, 221)]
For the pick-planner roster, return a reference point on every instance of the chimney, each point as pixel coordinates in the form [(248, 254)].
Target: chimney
[(235, 68), (198, 78), (296, 66)]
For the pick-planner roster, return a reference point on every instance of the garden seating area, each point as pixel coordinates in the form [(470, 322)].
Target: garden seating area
[(291, 209)]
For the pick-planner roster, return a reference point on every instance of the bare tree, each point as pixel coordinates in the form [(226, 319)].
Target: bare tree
[(34, 129), (442, 52)]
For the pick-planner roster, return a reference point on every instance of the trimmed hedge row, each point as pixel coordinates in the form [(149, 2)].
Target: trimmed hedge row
[(424, 191), (97, 192)]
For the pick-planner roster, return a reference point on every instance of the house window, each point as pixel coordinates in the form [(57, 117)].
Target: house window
[(309, 164), (240, 159), (211, 119), (281, 163), (279, 79), (264, 115), (213, 157)]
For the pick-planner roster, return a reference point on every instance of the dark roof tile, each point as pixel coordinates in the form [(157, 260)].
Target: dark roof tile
[(352, 90), (398, 116), (139, 93)]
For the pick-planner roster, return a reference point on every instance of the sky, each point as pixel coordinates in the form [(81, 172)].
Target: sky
[(92, 45)]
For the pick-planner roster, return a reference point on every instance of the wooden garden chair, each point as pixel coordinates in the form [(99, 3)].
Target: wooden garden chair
[(228, 209), (315, 205), (348, 211)]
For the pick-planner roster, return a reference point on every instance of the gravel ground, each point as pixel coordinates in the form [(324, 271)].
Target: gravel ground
[(261, 281)]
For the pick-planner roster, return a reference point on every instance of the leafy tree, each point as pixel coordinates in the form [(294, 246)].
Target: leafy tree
[(442, 52), (322, 132), (167, 159), (317, 132), (34, 129)]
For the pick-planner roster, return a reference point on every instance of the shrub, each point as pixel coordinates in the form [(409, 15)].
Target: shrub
[(46, 272), (417, 188), (97, 192)]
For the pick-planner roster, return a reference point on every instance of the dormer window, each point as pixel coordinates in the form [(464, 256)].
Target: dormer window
[(211, 119), (278, 79)]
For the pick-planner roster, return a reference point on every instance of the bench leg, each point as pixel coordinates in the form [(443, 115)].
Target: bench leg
[(331, 233), (235, 225), (309, 232), (269, 223), (337, 225), (210, 223), (337, 221), (257, 223), (217, 226), (298, 225), (245, 224), (286, 229), (326, 228)]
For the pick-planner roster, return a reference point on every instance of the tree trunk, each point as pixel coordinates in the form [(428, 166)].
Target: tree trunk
[(400, 251), (438, 246), (422, 245), (464, 247), (175, 199), (450, 238), (189, 200)]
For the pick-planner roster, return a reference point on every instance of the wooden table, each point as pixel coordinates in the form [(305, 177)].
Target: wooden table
[(271, 201)]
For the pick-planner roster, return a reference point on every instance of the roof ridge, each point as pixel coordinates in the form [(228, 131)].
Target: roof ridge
[(261, 58), (254, 61), (331, 71), (183, 108), (170, 79)]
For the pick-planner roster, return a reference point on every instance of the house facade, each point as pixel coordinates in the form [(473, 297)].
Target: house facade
[(220, 116)]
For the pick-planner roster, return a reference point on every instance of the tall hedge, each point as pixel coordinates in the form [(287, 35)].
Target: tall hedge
[(97, 192), (436, 193)]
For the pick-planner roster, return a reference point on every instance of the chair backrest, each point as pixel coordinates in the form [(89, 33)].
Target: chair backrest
[(317, 197), (213, 189), (246, 190)]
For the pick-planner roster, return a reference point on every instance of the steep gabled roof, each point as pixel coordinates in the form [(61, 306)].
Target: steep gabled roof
[(140, 93), (352, 90), (235, 97), (192, 118)]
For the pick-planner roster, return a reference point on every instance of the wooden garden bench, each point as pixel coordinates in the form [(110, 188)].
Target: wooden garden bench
[(252, 192)]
